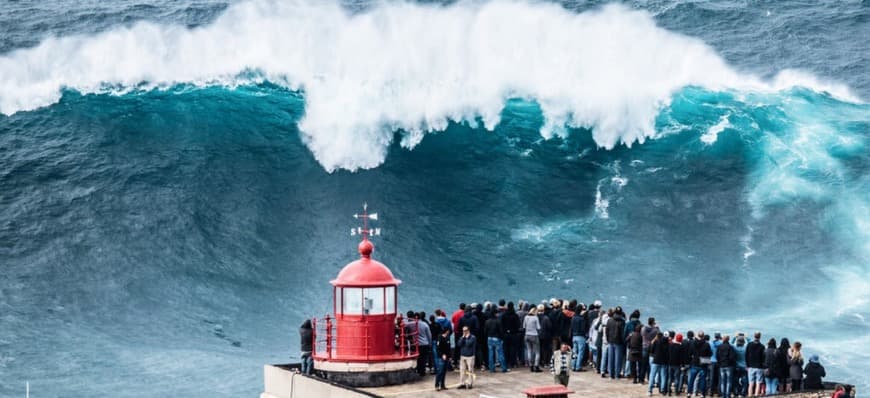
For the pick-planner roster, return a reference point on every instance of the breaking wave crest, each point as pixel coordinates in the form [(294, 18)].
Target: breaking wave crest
[(402, 67)]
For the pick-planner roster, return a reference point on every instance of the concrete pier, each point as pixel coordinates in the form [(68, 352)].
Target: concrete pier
[(586, 384)]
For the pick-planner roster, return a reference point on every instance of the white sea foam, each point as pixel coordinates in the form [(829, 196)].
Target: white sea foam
[(712, 133), (402, 66)]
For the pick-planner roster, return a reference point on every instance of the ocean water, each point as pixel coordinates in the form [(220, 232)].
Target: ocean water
[(177, 178)]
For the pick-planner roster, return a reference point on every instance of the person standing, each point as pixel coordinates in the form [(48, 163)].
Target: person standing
[(560, 364), (579, 328), (495, 342), (700, 360), (740, 372), (771, 378), (510, 324), (306, 343), (616, 343), (727, 359), (532, 327), (442, 351), (635, 353), (755, 364), (424, 340), (659, 367), (545, 334), (676, 359), (457, 332), (467, 351), (782, 366), (648, 333), (796, 365)]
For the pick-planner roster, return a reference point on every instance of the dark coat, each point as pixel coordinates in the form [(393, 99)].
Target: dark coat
[(546, 331), (469, 320), (814, 371), (795, 368), (700, 349), (754, 355), (770, 362), (443, 346), (305, 336), (675, 354), (492, 328), (579, 325), (780, 363), (635, 346), (726, 356), (510, 322), (659, 351), (615, 327)]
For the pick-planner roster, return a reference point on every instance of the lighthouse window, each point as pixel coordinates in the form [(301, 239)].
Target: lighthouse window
[(351, 302), (373, 301), (390, 300)]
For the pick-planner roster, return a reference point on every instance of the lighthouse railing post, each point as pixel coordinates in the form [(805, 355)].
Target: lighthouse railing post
[(313, 337), (328, 337), (401, 336)]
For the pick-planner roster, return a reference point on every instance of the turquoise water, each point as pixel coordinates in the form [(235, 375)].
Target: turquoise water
[(173, 208)]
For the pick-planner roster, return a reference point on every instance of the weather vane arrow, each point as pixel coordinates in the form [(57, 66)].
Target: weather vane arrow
[(365, 231)]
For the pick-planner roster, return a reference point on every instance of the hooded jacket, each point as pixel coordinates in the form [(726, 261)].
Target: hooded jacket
[(493, 328), (814, 371), (510, 322), (700, 349), (659, 350), (754, 355), (615, 327), (675, 354), (726, 356), (305, 333), (579, 324)]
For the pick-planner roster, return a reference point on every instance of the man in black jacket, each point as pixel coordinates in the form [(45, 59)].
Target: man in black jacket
[(755, 364), (616, 344), (726, 357), (676, 359), (700, 355), (305, 346), (510, 324), (579, 329), (495, 342)]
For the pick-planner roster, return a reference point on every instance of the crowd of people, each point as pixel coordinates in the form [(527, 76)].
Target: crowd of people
[(568, 336)]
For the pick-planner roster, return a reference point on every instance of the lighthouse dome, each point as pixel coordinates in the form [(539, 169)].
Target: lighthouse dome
[(365, 271)]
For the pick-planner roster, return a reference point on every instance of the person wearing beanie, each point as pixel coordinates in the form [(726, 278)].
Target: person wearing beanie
[(814, 372), (675, 365)]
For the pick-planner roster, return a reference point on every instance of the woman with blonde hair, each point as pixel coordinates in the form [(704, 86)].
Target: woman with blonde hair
[(796, 366), (533, 345)]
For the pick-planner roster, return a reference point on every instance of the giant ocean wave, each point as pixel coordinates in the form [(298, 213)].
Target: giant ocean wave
[(167, 191), (403, 67)]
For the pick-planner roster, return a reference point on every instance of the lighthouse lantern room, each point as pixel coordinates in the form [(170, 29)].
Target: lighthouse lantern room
[(364, 343)]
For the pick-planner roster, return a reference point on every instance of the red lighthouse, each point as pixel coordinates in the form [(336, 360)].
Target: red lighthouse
[(364, 342)]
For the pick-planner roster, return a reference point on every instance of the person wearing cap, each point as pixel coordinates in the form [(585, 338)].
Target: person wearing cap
[(814, 372), (676, 361)]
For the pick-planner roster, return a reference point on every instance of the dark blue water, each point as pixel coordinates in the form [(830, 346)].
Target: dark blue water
[(178, 178)]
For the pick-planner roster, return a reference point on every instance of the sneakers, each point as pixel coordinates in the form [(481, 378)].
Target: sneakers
[(462, 386)]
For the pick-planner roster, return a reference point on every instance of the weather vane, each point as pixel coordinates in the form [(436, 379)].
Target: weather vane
[(364, 231)]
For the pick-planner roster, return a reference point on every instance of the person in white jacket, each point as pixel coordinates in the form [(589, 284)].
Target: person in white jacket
[(560, 364)]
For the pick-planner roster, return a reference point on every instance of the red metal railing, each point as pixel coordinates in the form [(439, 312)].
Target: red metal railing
[(324, 339)]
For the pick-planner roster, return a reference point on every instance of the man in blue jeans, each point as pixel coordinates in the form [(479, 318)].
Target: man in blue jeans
[(726, 357), (494, 333), (699, 358), (442, 351), (579, 328), (659, 363)]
